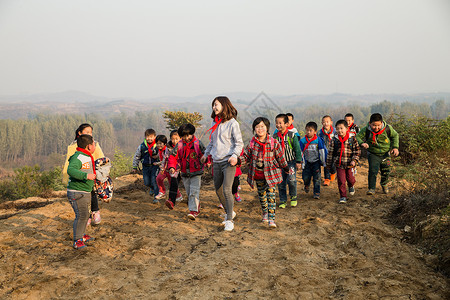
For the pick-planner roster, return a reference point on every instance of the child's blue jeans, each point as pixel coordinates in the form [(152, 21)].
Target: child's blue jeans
[(312, 170), (80, 202), (291, 181), (149, 173)]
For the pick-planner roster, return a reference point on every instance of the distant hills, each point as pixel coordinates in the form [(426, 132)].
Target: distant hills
[(76, 102)]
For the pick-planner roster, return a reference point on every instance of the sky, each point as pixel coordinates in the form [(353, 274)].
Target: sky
[(145, 49)]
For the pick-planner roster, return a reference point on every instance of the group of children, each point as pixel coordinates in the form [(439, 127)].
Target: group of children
[(272, 159)]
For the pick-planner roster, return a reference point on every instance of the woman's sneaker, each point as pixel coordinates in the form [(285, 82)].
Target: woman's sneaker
[(265, 218), (229, 225), (160, 195), (351, 190), (95, 218), (79, 244), (225, 217), (343, 200), (272, 224)]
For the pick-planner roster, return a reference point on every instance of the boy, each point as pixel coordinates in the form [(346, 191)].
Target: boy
[(344, 153), (293, 155), (352, 127), (81, 171), (187, 153), (327, 133), (380, 140), (290, 126), (314, 156), (146, 153)]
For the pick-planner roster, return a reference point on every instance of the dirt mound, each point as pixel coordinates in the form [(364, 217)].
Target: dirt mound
[(320, 250)]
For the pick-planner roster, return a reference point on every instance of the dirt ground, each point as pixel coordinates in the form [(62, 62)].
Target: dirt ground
[(320, 250)]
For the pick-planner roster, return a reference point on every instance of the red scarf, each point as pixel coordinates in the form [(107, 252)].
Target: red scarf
[(151, 145), (290, 127), (187, 148), (374, 135), (281, 136), (263, 145), (161, 153), (218, 121), (309, 141), (342, 140), (88, 153), (328, 134)]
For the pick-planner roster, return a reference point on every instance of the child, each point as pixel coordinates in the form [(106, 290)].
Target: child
[(352, 127), (344, 153), (174, 193), (225, 146), (314, 156), (81, 171), (146, 153), (188, 153), (293, 155), (264, 156), (161, 146), (85, 128), (290, 126), (380, 139), (327, 133)]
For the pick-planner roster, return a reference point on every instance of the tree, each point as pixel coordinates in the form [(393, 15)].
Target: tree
[(175, 119)]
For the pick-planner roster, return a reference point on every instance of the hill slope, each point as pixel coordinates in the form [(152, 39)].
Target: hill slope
[(320, 250)]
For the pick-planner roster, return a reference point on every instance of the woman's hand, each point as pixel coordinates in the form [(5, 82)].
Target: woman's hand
[(232, 160)]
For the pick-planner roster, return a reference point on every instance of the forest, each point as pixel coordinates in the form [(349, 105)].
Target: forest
[(42, 139)]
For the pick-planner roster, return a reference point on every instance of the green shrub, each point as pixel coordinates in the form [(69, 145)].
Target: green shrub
[(29, 182), (121, 164)]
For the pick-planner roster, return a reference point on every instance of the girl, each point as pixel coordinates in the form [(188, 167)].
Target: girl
[(225, 146), (265, 157), (85, 129)]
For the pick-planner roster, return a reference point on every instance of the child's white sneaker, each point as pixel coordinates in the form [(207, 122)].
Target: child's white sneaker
[(229, 225)]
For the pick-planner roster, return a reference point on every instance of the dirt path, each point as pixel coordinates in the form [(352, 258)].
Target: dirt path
[(320, 250)]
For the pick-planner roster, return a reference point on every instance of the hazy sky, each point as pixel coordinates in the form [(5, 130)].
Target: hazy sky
[(148, 48)]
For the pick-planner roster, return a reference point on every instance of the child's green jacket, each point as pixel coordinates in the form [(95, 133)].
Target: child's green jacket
[(382, 143)]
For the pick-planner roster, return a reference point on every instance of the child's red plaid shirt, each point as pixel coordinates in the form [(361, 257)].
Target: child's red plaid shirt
[(274, 161)]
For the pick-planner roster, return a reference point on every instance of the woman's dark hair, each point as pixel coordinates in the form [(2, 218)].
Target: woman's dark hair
[(342, 122), (81, 128), (259, 120), (161, 138), (228, 111), (376, 117), (186, 129)]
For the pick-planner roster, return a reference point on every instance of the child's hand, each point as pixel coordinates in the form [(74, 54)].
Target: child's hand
[(395, 151), (232, 160), (365, 145), (203, 159), (91, 176), (352, 163), (172, 171)]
